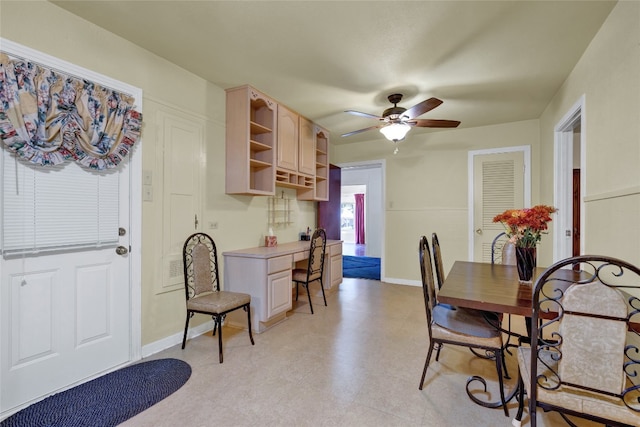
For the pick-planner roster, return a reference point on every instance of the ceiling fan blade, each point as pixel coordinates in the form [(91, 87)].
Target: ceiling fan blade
[(423, 107), (358, 113), (434, 123), (361, 130)]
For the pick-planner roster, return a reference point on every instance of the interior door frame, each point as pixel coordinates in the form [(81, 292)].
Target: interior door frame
[(381, 165), (563, 179), (135, 181), (526, 150)]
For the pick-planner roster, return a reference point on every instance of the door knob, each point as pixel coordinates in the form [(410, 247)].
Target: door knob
[(479, 231), (121, 250)]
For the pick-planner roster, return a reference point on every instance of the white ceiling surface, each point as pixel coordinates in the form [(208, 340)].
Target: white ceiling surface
[(490, 62)]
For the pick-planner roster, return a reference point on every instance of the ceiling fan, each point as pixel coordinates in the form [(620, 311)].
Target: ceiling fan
[(397, 121)]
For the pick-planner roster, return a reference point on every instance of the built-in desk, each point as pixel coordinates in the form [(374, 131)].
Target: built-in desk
[(265, 274)]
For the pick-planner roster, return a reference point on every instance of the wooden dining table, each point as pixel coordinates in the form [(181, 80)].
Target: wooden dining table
[(492, 287)]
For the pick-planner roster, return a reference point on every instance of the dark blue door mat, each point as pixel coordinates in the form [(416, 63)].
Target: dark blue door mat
[(108, 400), (361, 267)]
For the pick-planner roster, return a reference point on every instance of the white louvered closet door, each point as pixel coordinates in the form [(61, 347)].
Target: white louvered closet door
[(498, 186)]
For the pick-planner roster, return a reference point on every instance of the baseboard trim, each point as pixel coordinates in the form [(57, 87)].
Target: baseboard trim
[(171, 340)]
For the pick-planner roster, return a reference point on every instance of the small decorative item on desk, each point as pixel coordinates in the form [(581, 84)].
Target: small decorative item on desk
[(306, 236), (525, 227), (270, 240)]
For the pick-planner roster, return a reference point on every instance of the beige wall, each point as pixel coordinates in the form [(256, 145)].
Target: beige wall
[(242, 219), (426, 189), (608, 77), (426, 184)]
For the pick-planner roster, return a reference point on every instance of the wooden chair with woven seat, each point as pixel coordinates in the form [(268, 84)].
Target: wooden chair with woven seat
[(315, 266), (461, 327), (202, 287), (584, 356)]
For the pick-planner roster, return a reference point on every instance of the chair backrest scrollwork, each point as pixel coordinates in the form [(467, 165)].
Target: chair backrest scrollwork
[(316, 254), (200, 258), (588, 327), (428, 284)]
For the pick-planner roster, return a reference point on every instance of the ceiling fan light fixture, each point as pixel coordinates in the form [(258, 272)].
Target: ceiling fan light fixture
[(395, 131)]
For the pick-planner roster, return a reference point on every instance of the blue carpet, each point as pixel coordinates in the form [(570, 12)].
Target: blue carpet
[(361, 267), (108, 400)]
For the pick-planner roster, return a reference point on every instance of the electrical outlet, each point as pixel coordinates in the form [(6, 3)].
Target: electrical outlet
[(213, 225)]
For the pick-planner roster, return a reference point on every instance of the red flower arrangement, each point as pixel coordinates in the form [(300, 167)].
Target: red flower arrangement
[(526, 226)]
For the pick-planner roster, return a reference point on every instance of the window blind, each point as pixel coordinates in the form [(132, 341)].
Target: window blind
[(57, 207)]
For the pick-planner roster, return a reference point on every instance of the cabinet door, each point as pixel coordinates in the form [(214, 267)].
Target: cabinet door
[(279, 297), (307, 147), (336, 270), (287, 139)]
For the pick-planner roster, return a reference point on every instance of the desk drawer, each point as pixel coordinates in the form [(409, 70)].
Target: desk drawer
[(299, 256), (280, 263), (335, 250)]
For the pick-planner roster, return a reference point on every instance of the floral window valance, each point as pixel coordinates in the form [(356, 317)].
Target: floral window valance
[(47, 117)]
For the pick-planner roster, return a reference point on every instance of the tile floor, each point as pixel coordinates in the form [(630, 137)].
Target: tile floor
[(353, 249), (356, 362)]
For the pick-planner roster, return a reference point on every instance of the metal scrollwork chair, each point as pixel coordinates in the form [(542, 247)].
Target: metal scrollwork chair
[(461, 327), (501, 251), (439, 266), (584, 357), (493, 318), (315, 267), (202, 287), (504, 252), (437, 259)]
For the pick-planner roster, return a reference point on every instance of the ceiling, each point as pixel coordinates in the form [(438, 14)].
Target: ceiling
[(490, 62)]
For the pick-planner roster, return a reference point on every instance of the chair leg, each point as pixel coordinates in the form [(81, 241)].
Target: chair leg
[(309, 296), (532, 411), (518, 419), (186, 327), (322, 288), (438, 351), (297, 283), (215, 325), (504, 363), (499, 358), (219, 324), (247, 308), (426, 365)]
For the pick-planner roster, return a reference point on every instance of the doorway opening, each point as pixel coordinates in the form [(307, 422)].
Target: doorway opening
[(569, 183), (353, 220)]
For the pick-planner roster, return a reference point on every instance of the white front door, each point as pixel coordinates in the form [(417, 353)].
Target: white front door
[(65, 314), (69, 305), (500, 182)]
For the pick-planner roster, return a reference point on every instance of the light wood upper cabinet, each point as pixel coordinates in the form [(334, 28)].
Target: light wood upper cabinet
[(320, 189), (322, 163), (267, 144), (287, 139), (295, 151), (306, 147), (250, 142)]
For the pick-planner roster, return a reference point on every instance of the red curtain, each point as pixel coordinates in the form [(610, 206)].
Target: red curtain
[(359, 223)]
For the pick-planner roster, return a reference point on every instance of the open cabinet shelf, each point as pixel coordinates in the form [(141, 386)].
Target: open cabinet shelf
[(250, 142)]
